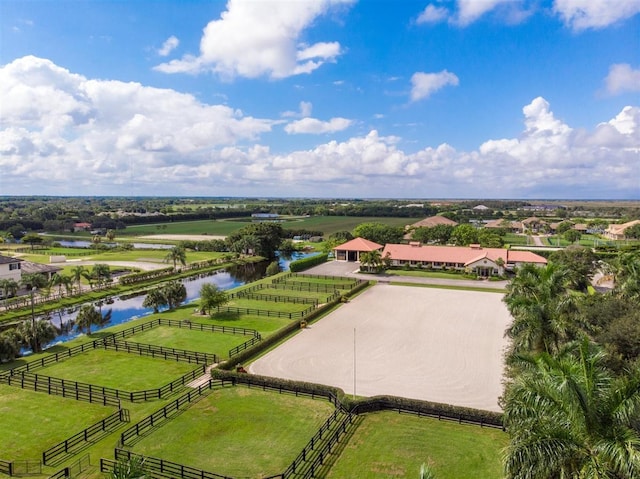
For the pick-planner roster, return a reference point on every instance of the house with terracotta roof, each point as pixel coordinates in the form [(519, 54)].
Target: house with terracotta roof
[(433, 221), (351, 250), (473, 259), (509, 226), (81, 227), (617, 232)]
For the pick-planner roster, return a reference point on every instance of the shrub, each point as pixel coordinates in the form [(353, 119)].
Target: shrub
[(306, 263)]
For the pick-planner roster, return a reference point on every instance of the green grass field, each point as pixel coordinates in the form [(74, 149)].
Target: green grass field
[(119, 370), (191, 340), (238, 432), (32, 422), (326, 224), (390, 445)]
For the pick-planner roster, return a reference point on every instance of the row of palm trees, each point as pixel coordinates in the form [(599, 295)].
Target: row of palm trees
[(568, 413)]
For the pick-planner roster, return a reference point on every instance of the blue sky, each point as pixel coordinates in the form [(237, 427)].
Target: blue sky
[(326, 98)]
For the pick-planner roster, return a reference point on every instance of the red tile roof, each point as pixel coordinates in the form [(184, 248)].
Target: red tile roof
[(458, 254), (434, 221), (358, 244)]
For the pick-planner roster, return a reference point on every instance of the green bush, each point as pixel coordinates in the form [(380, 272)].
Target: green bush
[(306, 263)]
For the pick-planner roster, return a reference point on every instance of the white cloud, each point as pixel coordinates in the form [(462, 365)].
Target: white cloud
[(168, 46), (585, 14), (252, 39), (471, 10), (305, 110), (622, 78), (316, 127), (432, 14), (424, 84), (61, 133)]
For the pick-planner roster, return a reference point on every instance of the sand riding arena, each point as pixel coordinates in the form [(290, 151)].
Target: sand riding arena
[(423, 343)]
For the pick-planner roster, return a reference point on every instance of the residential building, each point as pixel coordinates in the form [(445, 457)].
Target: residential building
[(10, 268), (473, 258), (351, 250), (617, 232)]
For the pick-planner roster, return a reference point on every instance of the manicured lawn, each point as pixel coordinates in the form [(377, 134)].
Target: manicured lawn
[(192, 340), (293, 293), (282, 306), (514, 239), (238, 432), (119, 370), (187, 228), (390, 445), (32, 422), (425, 274)]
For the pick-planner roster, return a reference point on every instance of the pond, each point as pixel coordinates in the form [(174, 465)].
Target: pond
[(125, 310)]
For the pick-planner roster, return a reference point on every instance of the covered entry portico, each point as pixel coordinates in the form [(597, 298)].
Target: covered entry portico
[(351, 250)]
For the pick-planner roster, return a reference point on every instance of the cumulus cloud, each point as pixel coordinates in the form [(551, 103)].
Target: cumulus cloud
[(316, 127), (168, 46), (61, 133), (622, 78), (252, 39), (470, 10), (594, 14), (305, 110), (425, 84), (432, 14), (61, 125)]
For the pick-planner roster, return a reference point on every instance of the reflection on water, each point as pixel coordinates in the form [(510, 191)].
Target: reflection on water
[(130, 308)]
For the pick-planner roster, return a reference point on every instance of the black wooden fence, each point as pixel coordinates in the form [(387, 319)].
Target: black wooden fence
[(80, 439)]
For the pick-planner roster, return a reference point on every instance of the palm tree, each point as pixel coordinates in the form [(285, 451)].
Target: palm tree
[(372, 260), (89, 316), (154, 299), (9, 287), (35, 334), (101, 273), (9, 345), (174, 293), (176, 255), (628, 276), (542, 305), (569, 418), (77, 273)]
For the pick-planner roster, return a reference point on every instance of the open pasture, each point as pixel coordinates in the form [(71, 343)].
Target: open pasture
[(238, 432), (119, 370), (388, 444), (31, 422), (190, 340)]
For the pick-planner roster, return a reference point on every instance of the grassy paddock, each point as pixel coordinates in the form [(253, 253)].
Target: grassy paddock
[(238, 432), (119, 370), (190, 339), (32, 422), (387, 444)]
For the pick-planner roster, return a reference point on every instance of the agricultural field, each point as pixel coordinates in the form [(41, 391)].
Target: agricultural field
[(388, 444), (238, 432), (326, 224)]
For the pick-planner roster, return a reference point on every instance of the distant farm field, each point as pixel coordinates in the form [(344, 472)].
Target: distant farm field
[(326, 224)]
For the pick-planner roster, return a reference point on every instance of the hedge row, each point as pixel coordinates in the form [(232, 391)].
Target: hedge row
[(365, 405), (306, 263), (142, 276)]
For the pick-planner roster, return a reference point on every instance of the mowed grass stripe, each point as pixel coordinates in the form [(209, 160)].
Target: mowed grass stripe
[(191, 340), (119, 370), (388, 444), (32, 422), (239, 432)]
